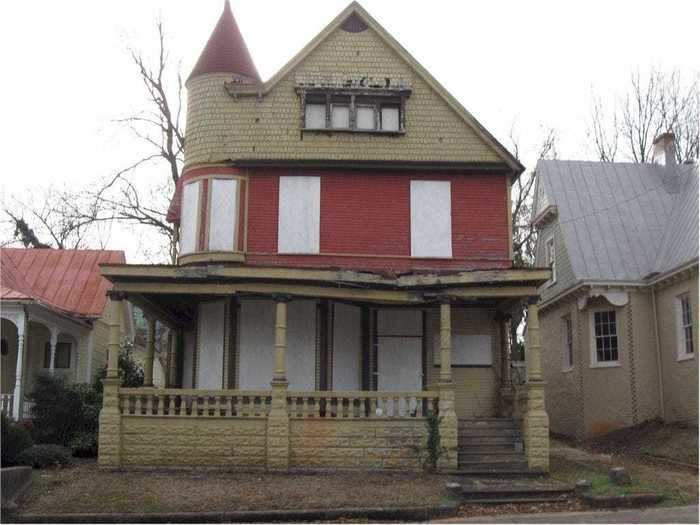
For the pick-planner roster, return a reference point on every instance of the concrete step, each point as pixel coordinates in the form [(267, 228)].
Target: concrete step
[(488, 421), (502, 472), (489, 458), (468, 441), (488, 432), (507, 501), (505, 491), (493, 466), (507, 448)]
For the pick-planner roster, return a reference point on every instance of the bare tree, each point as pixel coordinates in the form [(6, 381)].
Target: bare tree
[(654, 104), (127, 198), (524, 234)]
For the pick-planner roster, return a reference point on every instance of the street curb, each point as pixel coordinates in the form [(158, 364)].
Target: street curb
[(247, 516), (626, 501)]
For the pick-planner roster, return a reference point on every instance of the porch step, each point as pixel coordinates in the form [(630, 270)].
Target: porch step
[(466, 458), (481, 441), (491, 422), (500, 491), (507, 447), (488, 432), (494, 466), (503, 472)]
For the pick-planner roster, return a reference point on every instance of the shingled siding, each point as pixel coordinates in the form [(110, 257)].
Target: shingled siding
[(361, 227), (220, 128), (565, 274)]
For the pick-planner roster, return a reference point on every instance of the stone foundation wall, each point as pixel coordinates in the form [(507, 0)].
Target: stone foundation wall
[(180, 442), (356, 444)]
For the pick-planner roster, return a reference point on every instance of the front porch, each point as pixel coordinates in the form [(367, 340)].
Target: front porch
[(301, 370)]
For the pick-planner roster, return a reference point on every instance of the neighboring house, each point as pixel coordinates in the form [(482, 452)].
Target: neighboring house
[(52, 304), (619, 317), (345, 268)]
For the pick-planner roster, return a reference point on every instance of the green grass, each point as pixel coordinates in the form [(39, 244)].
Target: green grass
[(571, 472)]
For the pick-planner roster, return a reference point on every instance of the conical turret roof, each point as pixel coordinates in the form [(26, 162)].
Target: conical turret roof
[(226, 51)]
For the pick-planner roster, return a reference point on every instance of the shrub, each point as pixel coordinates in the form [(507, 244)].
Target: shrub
[(43, 456), (66, 414), (15, 439), (130, 371)]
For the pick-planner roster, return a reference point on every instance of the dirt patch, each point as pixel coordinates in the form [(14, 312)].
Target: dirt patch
[(674, 442), (84, 488)]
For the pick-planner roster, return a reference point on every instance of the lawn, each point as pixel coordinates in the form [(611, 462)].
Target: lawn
[(677, 488), (85, 488)]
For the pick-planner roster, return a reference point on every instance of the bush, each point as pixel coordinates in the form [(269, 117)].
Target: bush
[(15, 439), (66, 414), (43, 456), (130, 371)]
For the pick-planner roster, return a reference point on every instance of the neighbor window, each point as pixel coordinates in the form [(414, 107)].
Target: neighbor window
[(686, 349), (551, 259), (62, 359), (605, 349), (568, 340)]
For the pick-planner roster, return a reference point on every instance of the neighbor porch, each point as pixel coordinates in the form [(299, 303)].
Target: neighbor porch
[(283, 369)]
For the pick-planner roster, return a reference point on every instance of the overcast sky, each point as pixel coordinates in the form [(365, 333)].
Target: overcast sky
[(66, 74)]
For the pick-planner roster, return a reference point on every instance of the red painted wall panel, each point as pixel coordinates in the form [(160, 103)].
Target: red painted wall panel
[(365, 221)]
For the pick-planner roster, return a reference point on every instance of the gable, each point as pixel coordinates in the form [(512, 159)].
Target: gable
[(223, 127)]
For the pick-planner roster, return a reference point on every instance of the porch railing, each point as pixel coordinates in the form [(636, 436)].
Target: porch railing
[(6, 403), (176, 402), (349, 405)]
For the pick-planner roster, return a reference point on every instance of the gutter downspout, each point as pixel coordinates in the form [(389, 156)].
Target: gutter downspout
[(659, 361)]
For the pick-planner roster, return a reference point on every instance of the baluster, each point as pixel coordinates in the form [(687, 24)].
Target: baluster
[(137, 405), (236, 406), (419, 406), (372, 407), (354, 401), (195, 406), (305, 406), (155, 404), (317, 407)]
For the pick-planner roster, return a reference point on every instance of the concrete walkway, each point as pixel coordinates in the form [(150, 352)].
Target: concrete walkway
[(655, 515)]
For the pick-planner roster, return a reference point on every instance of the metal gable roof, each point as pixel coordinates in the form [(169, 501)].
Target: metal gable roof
[(624, 221), (68, 280)]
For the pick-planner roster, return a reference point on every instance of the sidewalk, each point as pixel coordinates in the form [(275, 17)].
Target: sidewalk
[(687, 514)]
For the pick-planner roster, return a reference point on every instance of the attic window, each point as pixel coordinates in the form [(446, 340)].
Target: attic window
[(353, 24), (346, 111)]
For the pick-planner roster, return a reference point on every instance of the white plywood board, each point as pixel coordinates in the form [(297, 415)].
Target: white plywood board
[(347, 347), (210, 359), (189, 341), (301, 345), (189, 217), (400, 322), (256, 359), (315, 116), (299, 221), (223, 214), (467, 349), (431, 219), (399, 365)]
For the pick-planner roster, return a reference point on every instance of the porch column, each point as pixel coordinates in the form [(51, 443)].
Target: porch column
[(52, 348), (150, 352), (278, 419), (17, 402), (507, 395), (446, 404), (535, 420), (110, 417)]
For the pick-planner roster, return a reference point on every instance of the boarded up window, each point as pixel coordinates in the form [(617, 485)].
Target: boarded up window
[(365, 117), (210, 359), (340, 116), (315, 116), (390, 118), (299, 215), (223, 215), (190, 214), (431, 219)]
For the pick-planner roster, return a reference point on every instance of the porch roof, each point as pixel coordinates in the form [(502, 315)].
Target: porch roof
[(168, 292)]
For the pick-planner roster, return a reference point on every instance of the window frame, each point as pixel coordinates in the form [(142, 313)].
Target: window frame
[(568, 343), (682, 329), (595, 363), (552, 265)]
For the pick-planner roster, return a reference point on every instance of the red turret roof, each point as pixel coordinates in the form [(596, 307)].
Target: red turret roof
[(226, 51)]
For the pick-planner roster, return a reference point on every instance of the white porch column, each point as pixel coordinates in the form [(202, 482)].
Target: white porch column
[(88, 362), (17, 403), (52, 345), (150, 352)]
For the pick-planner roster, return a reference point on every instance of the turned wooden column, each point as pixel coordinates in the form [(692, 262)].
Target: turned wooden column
[(280, 373), (533, 357), (445, 342)]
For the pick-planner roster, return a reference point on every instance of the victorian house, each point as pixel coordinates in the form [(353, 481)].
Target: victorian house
[(344, 270), (52, 304)]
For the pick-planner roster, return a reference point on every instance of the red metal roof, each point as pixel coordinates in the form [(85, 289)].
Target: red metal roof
[(226, 51), (67, 280)]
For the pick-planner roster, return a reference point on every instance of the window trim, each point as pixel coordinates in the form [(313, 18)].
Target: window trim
[(594, 363), (681, 354), (47, 356), (553, 265), (568, 343)]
